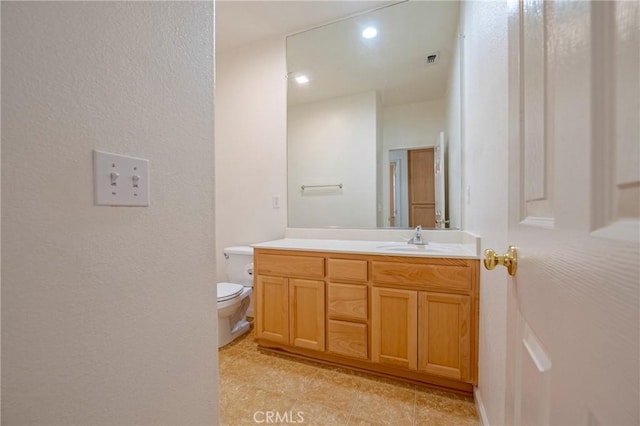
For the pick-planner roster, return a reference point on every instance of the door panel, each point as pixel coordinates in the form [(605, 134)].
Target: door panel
[(573, 306), (306, 314), (423, 214), (421, 188), (444, 335), (394, 322), (272, 320), (536, 146), (532, 404), (616, 151)]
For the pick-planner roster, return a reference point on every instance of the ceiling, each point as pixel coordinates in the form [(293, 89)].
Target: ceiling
[(335, 57), (242, 22), (338, 61)]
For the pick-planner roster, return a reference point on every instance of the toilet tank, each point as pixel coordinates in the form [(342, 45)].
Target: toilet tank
[(239, 265)]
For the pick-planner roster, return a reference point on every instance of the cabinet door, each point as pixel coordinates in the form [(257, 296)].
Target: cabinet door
[(394, 323), (272, 308), (306, 314), (444, 335)]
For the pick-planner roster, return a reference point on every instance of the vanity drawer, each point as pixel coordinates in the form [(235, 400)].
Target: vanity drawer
[(347, 301), (294, 266), (347, 338), (347, 270), (446, 277)]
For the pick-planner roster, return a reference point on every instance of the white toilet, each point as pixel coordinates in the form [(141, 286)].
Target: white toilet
[(234, 296)]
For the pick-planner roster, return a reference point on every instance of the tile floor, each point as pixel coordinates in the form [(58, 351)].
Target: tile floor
[(264, 388)]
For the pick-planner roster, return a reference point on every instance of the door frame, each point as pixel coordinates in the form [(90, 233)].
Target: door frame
[(394, 207), (399, 155)]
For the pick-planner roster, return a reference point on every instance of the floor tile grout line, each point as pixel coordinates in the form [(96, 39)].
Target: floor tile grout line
[(353, 406), (306, 383), (415, 397)]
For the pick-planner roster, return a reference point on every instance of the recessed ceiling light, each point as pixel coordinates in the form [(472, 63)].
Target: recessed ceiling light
[(369, 32), (302, 79)]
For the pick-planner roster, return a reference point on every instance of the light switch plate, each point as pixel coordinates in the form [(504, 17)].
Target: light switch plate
[(275, 201), (119, 180)]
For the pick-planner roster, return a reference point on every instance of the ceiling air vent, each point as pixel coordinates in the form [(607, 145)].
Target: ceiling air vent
[(431, 59)]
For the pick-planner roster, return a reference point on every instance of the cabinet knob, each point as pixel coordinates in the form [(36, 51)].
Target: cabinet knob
[(508, 260)]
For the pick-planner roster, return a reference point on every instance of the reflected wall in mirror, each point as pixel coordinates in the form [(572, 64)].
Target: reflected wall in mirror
[(374, 123)]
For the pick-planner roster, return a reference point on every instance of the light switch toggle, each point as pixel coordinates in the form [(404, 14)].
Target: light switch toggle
[(120, 180), (114, 177)]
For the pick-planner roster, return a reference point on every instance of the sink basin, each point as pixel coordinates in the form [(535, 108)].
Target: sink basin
[(412, 248)]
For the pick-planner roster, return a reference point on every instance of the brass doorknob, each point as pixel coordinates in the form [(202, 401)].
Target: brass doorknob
[(508, 260)]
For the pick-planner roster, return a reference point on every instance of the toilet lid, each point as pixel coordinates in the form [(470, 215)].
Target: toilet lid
[(228, 291)]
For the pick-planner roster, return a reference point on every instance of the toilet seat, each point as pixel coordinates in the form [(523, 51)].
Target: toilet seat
[(228, 291)]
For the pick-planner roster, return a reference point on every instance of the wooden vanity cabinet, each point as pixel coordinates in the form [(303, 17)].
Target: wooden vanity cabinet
[(412, 317), (290, 310), (432, 300), (419, 330)]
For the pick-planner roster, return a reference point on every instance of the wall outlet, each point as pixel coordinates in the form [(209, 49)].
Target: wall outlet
[(119, 180)]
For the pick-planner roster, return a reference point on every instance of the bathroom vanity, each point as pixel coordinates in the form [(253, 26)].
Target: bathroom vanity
[(390, 308)]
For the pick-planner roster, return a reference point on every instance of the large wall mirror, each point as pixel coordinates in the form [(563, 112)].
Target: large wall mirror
[(373, 116)]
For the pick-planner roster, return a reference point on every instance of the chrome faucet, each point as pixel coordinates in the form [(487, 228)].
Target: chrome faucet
[(417, 237)]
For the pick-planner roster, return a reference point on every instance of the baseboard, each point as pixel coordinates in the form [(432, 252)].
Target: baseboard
[(482, 413)]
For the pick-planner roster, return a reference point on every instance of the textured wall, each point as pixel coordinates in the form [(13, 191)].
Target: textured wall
[(453, 135), (485, 163), (251, 145), (108, 314)]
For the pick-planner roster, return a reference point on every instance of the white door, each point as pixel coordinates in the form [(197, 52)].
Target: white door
[(574, 187), (440, 173)]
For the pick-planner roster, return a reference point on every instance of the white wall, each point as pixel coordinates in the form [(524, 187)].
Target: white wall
[(453, 136), (333, 141), (380, 166), (415, 125), (485, 166), (251, 145), (108, 314)]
